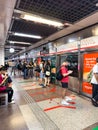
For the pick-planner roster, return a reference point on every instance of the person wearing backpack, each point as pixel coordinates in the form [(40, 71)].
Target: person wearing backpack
[(94, 82), (64, 81)]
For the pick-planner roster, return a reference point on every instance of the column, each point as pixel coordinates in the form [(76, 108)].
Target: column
[(2, 56)]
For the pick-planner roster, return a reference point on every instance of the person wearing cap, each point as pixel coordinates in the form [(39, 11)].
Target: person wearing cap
[(65, 72), (94, 82)]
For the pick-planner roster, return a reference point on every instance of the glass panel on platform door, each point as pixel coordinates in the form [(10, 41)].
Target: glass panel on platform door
[(73, 59)]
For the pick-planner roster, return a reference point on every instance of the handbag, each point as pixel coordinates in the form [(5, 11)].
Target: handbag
[(47, 73), (2, 88)]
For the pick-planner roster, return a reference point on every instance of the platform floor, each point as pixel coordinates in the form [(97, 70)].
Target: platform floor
[(38, 108)]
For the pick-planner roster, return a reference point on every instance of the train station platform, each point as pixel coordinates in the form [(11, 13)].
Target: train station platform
[(38, 108)]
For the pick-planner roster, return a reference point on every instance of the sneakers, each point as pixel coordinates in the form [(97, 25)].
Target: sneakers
[(12, 102), (41, 85), (68, 99), (64, 102), (44, 86)]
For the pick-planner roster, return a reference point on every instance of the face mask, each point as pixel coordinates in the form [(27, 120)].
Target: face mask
[(3, 75)]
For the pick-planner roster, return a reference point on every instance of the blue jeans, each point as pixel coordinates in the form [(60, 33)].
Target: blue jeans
[(25, 73), (95, 91)]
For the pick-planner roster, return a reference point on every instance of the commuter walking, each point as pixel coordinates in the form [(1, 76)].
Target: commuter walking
[(64, 81), (94, 82)]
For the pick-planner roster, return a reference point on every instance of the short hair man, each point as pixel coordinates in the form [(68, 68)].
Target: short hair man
[(64, 82)]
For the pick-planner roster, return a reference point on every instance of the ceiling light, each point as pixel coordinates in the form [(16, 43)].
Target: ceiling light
[(71, 40), (27, 35), (12, 50), (39, 19), (96, 4), (16, 42)]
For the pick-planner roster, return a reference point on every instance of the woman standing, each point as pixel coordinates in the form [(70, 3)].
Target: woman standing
[(30, 70), (47, 71)]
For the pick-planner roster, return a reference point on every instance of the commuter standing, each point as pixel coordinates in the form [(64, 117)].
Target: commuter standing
[(37, 70), (24, 69), (47, 71), (30, 69), (65, 73), (94, 82), (41, 73), (13, 67), (19, 67)]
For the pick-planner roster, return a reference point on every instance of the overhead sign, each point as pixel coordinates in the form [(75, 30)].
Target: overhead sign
[(85, 43), (46, 51)]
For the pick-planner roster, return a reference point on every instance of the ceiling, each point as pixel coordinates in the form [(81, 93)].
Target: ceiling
[(74, 14)]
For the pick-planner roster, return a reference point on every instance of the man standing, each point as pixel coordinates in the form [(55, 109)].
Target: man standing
[(64, 82), (94, 82)]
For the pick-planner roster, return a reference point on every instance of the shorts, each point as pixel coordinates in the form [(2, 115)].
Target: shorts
[(41, 75), (64, 85)]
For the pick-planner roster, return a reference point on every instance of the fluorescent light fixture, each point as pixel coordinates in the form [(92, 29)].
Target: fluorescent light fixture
[(12, 50), (71, 40), (96, 4), (16, 42), (8, 50), (39, 19), (27, 35)]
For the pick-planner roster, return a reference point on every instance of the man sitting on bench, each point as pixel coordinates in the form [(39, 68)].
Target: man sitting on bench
[(5, 84)]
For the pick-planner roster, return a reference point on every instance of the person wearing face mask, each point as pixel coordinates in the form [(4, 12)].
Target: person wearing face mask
[(2, 81), (64, 81), (5, 85)]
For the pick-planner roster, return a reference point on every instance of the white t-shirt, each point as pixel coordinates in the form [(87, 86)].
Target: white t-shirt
[(41, 66), (95, 70)]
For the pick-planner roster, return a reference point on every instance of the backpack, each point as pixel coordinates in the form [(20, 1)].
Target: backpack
[(89, 77), (19, 66), (59, 76), (37, 68)]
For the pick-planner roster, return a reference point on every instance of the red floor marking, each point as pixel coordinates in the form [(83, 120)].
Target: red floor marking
[(33, 84), (54, 101), (49, 91), (72, 102), (46, 99), (73, 97), (51, 108), (59, 103), (72, 107)]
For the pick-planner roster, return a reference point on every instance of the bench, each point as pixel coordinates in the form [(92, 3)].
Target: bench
[(3, 99)]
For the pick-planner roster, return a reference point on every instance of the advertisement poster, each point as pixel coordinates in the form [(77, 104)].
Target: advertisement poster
[(88, 63)]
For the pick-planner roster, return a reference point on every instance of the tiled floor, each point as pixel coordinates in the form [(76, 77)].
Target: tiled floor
[(38, 108)]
